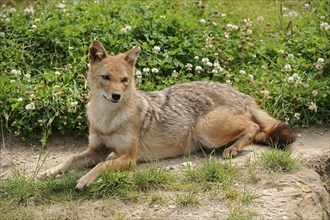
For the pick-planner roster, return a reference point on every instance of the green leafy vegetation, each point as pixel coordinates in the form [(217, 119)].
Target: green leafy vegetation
[(279, 54)]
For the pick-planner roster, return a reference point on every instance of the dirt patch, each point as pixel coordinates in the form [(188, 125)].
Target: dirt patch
[(300, 195)]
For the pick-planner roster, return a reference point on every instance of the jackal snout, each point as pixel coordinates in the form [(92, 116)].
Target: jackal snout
[(115, 97)]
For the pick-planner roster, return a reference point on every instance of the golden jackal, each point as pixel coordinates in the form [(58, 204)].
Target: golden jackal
[(175, 121)]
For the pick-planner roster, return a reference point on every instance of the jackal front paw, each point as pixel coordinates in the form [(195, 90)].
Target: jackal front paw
[(90, 177), (85, 181), (52, 173), (229, 152)]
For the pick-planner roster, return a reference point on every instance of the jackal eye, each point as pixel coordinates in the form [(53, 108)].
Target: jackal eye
[(124, 80), (106, 77)]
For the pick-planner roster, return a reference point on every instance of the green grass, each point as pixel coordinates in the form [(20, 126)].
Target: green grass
[(212, 170), (279, 161), (188, 199), (152, 178)]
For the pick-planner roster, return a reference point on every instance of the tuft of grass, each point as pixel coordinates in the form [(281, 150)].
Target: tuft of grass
[(238, 212), (113, 183), (188, 199), (212, 171), (151, 178), (156, 198), (278, 161)]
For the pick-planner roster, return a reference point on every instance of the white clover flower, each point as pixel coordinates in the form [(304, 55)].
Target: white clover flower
[(36, 20), (57, 73), (202, 21), (126, 29), (61, 6), (287, 67), (312, 107), (175, 74), (297, 116), (215, 71), (156, 49), (7, 20), (296, 76), (248, 31), (225, 35), (12, 81), (34, 26), (248, 22), (32, 96), (138, 74), (280, 51), (232, 27), (299, 82), (215, 23), (322, 17), (28, 76), (2, 34), (320, 60), (260, 19), (251, 77), (73, 104), (189, 66), (146, 70), (205, 60), (12, 11), (20, 99), (223, 15), (293, 14), (228, 82), (209, 64), (308, 6), (199, 69), (290, 56), (16, 72), (162, 16), (123, 30), (30, 106), (242, 72), (196, 57), (314, 93), (216, 65), (263, 67), (325, 26), (29, 11), (290, 80), (154, 70)]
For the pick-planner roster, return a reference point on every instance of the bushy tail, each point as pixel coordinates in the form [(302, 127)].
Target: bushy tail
[(273, 132)]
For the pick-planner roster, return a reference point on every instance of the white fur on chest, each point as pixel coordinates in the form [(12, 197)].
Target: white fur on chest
[(106, 117)]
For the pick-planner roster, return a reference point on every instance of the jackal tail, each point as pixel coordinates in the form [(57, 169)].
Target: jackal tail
[(273, 132)]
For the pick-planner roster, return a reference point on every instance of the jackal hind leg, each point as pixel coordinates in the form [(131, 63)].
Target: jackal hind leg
[(222, 126)]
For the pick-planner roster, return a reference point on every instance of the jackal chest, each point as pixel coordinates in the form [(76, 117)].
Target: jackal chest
[(117, 142)]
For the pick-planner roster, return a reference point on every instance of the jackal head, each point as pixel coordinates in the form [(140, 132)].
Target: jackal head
[(111, 77)]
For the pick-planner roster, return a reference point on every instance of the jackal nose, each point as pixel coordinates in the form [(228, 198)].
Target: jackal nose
[(115, 96)]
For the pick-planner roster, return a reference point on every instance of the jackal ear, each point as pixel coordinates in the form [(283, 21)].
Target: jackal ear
[(131, 56), (96, 52)]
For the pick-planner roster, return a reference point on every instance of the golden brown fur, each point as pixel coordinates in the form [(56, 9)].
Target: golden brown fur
[(175, 121)]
